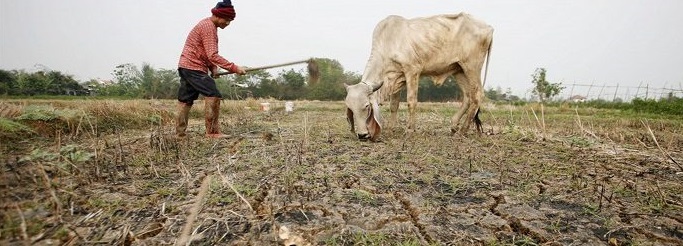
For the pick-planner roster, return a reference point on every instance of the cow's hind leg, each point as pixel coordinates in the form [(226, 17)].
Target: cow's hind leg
[(462, 81), (471, 114), (474, 90)]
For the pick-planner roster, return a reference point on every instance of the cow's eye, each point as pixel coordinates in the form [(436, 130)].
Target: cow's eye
[(367, 105)]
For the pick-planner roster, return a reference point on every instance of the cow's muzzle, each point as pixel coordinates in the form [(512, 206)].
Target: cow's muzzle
[(364, 136)]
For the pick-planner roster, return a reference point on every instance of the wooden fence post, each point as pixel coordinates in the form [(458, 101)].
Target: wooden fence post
[(588, 93), (571, 92)]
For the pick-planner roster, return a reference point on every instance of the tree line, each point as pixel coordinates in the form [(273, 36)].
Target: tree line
[(145, 81), (38, 83)]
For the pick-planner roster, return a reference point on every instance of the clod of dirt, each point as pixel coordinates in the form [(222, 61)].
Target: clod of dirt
[(290, 238)]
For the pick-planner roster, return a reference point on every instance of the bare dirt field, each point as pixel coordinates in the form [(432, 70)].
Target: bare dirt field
[(589, 177)]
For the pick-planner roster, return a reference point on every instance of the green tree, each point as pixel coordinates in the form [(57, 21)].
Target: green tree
[(7, 79), (22, 84), (428, 91), (331, 81), (62, 84), (253, 79), (148, 82), (41, 84), (38, 83), (255, 83), (495, 94), (542, 88), (292, 85), (127, 80), (498, 94), (168, 83), (151, 83)]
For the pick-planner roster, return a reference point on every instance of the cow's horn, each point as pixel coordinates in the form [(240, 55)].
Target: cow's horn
[(372, 86)]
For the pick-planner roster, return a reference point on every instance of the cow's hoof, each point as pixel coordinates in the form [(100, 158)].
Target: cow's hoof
[(456, 130)]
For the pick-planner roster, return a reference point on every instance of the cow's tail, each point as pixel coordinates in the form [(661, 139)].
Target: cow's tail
[(486, 69), (477, 121)]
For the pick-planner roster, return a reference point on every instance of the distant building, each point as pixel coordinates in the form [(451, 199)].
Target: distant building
[(577, 98)]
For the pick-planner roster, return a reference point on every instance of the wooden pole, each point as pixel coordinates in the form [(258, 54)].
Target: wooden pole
[(270, 66), (589, 90)]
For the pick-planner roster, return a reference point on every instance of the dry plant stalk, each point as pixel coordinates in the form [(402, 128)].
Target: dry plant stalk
[(660, 147), (578, 119), (8, 110), (543, 118), (494, 119), (227, 182), (541, 124), (150, 230), (305, 140), (184, 238), (24, 235), (528, 118), (53, 194)]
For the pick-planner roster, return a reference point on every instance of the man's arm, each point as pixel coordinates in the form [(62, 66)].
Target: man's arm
[(210, 42), (214, 71)]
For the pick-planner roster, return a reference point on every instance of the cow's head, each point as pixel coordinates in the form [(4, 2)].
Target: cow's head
[(362, 112)]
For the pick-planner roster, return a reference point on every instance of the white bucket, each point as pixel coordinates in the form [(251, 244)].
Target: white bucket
[(289, 106), (265, 106)]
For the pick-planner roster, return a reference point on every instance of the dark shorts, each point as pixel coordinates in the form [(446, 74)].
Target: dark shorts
[(193, 83)]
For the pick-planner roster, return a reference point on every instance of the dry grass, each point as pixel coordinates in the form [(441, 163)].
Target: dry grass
[(115, 175)]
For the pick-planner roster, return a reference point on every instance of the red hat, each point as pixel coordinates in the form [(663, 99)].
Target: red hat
[(224, 10)]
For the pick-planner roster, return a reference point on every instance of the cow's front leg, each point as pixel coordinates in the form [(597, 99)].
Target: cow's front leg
[(411, 86), (393, 83), (394, 100)]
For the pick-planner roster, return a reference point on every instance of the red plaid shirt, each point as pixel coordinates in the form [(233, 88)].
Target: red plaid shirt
[(201, 49)]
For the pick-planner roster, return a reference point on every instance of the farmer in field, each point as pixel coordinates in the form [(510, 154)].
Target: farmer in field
[(199, 57)]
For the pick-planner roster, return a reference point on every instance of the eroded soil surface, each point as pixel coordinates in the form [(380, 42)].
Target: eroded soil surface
[(302, 178)]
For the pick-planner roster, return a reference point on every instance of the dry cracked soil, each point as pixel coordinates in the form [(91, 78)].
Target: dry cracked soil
[(301, 178)]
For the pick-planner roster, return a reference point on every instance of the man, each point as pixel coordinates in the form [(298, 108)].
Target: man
[(200, 56)]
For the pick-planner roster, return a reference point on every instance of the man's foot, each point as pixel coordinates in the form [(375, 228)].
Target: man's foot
[(217, 135)]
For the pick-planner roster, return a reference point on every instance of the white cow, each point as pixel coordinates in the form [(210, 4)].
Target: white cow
[(405, 49)]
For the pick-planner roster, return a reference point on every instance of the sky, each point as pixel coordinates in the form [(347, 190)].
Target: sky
[(605, 43)]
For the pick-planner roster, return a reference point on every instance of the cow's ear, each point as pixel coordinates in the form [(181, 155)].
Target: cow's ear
[(349, 117), (374, 122)]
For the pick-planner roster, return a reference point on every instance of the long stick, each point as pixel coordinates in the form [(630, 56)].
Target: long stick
[(185, 238), (269, 66)]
